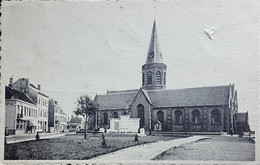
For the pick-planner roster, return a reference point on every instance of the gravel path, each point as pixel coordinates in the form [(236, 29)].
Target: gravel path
[(31, 137), (215, 148), (146, 151)]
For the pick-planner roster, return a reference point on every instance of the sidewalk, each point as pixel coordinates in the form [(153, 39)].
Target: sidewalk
[(146, 151), (29, 137)]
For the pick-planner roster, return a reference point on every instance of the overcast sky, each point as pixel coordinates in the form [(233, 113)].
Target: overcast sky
[(74, 48)]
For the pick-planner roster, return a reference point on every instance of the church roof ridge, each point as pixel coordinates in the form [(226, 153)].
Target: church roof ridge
[(187, 88), (121, 91)]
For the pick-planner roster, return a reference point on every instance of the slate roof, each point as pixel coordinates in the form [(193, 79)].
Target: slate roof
[(216, 95), (115, 100), (43, 94), (154, 49), (33, 86), (75, 119), (11, 92)]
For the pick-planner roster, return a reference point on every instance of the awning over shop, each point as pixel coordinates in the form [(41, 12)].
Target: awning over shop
[(19, 119), (32, 123)]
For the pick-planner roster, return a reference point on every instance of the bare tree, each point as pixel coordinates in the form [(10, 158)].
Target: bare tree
[(86, 107)]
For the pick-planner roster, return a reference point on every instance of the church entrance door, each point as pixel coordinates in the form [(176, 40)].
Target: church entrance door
[(140, 109)]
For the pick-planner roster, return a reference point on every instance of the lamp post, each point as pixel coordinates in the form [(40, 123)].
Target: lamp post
[(96, 122)]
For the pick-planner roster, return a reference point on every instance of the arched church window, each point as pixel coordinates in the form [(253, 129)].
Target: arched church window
[(195, 117), (178, 117), (105, 116), (160, 116), (115, 115), (164, 78), (158, 77), (149, 78), (140, 109), (215, 116)]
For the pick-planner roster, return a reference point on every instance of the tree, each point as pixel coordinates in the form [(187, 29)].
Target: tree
[(86, 107)]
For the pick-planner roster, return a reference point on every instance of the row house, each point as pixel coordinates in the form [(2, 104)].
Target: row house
[(21, 112), (38, 105), (57, 118)]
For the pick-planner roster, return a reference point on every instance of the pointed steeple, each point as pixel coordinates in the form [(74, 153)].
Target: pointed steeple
[(154, 70), (154, 55)]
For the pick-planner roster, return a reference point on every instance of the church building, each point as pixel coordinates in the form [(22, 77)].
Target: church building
[(202, 109)]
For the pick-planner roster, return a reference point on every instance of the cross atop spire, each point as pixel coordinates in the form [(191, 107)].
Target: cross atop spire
[(154, 55)]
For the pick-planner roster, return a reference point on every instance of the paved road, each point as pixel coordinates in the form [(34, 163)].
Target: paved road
[(146, 151), (216, 148), (29, 137)]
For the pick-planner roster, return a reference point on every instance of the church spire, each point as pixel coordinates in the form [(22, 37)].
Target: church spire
[(154, 55), (154, 70)]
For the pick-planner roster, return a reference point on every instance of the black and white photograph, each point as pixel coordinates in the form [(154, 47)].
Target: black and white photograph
[(129, 82)]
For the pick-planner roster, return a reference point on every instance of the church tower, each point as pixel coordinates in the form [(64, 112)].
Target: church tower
[(154, 70)]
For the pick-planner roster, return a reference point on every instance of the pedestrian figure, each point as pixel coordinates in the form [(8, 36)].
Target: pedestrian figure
[(104, 144), (37, 136), (6, 131), (136, 138)]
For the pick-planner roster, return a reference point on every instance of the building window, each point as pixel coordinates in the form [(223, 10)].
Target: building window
[(149, 78), (143, 80), (164, 78), (195, 117), (178, 117), (215, 116), (115, 115), (158, 77), (140, 109), (160, 116), (105, 115)]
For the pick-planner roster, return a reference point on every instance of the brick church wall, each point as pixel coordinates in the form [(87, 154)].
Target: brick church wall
[(141, 99), (205, 124)]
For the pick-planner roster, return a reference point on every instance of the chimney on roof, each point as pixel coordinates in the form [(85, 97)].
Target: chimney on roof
[(11, 82), (39, 86)]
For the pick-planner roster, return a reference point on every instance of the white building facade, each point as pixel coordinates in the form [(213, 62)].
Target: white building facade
[(20, 113)]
